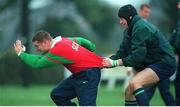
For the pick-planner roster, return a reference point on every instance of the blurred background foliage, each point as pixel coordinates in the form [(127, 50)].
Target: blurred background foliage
[(95, 20)]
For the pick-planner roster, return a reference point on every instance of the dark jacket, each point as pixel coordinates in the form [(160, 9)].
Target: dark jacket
[(175, 38), (143, 44)]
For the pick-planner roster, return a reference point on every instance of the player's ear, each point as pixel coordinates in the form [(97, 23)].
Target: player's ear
[(45, 42)]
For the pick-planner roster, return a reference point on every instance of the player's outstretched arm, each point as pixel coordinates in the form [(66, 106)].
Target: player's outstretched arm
[(35, 61)]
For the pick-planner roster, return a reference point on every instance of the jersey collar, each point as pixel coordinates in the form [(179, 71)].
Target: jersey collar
[(55, 40)]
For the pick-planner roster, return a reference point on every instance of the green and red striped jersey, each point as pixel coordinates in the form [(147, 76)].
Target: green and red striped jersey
[(74, 53)]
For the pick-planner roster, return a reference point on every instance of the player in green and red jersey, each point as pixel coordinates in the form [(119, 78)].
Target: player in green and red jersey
[(76, 54)]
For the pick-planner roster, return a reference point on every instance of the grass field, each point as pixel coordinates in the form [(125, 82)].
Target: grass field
[(39, 96)]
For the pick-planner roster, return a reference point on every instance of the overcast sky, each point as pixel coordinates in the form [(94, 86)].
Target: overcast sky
[(40, 3), (118, 3)]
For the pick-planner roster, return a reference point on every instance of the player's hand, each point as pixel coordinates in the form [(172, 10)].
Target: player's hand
[(18, 47), (107, 63)]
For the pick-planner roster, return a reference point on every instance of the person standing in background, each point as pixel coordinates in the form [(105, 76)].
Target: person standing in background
[(145, 11)]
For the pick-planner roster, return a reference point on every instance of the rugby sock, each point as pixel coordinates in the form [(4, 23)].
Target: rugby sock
[(130, 103), (141, 97)]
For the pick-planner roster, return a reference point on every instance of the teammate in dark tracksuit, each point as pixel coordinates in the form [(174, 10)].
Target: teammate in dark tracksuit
[(146, 49), (77, 56), (175, 42)]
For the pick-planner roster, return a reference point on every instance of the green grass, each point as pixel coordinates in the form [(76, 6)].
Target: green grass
[(39, 96)]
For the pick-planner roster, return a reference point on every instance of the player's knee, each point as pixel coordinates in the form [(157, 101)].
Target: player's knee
[(135, 85), (53, 95), (128, 90), (129, 93), (57, 99)]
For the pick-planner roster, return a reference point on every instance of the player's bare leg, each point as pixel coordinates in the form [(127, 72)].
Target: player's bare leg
[(130, 100), (141, 79)]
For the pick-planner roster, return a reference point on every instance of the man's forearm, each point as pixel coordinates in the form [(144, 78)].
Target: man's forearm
[(36, 61)]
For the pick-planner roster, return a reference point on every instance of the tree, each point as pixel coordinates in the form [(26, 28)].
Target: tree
[(25, 32), (164, 12)]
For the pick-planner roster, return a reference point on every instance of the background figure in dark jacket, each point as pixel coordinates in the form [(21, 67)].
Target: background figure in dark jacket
[(145, 48), (175, 42), (163, 85)]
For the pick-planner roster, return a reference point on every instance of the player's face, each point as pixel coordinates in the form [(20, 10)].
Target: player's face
[(145, 12), (43, 46), (123, 22)]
